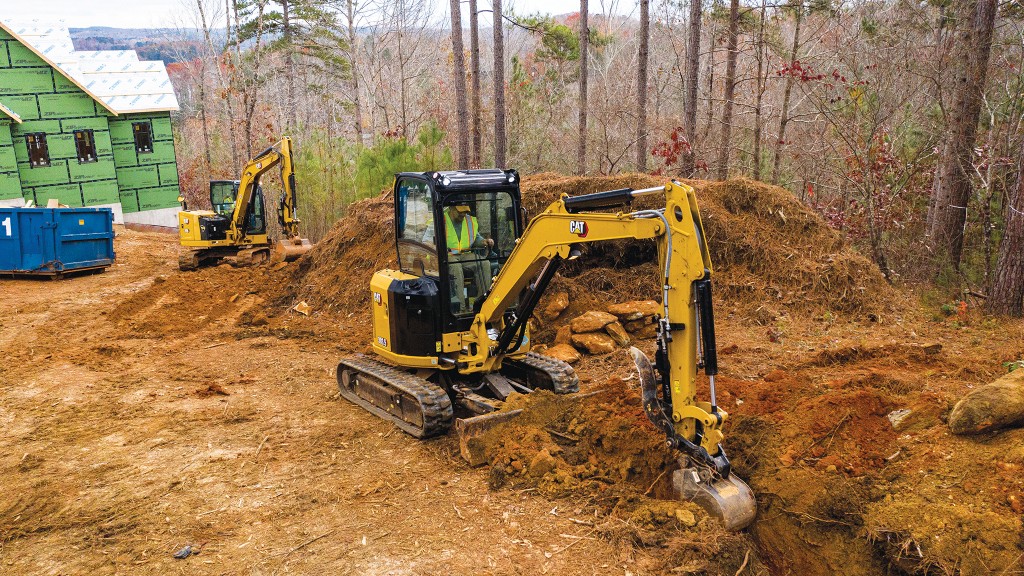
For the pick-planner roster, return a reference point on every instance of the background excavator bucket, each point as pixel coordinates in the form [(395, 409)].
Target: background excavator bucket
[(290, 249)]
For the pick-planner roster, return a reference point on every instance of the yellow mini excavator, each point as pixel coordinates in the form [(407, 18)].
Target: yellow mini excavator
[(451, 325), (236, 229)]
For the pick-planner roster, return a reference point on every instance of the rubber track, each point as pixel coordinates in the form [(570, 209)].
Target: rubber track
[(187, 260), (435, 406), (563, 377)]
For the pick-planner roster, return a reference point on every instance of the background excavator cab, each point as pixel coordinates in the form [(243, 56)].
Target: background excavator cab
[(223, 194), (429, 209)]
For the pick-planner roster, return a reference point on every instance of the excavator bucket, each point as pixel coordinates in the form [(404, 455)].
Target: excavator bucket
[(724, 496), (290, 249), (728, 499)]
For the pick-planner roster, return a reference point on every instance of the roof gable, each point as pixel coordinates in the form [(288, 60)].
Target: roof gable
[(116, 79)]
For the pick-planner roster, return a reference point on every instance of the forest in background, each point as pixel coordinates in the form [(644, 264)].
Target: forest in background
[(899, 122)]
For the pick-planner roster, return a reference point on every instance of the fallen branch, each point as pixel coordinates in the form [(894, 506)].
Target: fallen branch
[(307, 543), (260, 447)]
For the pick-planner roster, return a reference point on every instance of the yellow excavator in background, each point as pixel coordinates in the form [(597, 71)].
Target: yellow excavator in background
[(236, 229), (451, 325)]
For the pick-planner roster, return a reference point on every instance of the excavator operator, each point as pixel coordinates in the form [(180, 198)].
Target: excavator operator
[(462, 235)]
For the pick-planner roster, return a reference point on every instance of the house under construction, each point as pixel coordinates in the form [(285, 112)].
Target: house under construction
[(87, 128)]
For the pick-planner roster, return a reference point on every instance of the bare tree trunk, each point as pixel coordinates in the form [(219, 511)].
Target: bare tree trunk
[(289, 58), (690, 95), (230, 100), (951, 188), (581, 163), (500, 143), (474, 65), (759, 96), (732, 46), (459, 60), (641, 86), (202, 87), (786, 95), (354, 62), (1007, 295)]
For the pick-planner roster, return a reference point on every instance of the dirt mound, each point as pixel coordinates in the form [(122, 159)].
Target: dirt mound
[(770, 253), (600, 446), (335, 275)]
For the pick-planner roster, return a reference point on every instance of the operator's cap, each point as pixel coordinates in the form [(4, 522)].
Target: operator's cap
[(463, 208)]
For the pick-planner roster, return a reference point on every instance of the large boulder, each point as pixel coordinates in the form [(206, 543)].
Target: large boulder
[(999, 404), (635, 309), (556, 305), (591, 321), (594, 342), (563, 335)]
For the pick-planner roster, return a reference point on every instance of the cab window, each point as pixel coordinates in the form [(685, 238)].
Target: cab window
[(479, 235), (417, 252), (222, 197)]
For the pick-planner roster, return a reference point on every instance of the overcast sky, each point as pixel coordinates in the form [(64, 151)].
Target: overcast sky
[(168, 13)]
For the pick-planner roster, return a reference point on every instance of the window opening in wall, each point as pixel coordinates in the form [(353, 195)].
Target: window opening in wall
[(38, 153), (85, 144), (143, 136)]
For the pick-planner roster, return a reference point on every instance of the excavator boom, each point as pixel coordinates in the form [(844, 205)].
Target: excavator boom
[(685, 339)]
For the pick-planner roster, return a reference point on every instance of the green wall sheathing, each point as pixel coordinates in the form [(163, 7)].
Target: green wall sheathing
[(48, 102), (10, 181), (146, 180)]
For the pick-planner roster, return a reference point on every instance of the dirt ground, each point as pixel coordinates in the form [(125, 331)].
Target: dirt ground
[(145, 409)]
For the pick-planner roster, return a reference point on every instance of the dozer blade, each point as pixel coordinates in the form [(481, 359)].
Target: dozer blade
[(469, 431), (290, 249), (703, 479)]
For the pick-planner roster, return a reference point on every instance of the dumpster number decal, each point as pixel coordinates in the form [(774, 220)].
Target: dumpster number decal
[(7, 225)]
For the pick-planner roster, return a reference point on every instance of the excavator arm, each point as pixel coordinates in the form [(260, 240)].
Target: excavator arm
[(249, 181), (685, 333)]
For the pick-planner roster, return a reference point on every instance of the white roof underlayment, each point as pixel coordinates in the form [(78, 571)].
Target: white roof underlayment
[(116, 78)]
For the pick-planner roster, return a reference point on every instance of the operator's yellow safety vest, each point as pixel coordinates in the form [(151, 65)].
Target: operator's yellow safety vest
[(458, 244)]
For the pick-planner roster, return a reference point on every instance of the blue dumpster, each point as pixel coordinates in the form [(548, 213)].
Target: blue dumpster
[(54, 241)]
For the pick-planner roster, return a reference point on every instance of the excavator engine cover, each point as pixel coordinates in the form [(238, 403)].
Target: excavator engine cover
[(213, 227), (414, 307)]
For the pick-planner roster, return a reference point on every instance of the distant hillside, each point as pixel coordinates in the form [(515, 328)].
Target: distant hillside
[(167, 44)]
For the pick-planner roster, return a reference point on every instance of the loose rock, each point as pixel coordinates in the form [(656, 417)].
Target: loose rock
[(594, 342), (542, 463), (634, 309), (558, 303), (591, 321), (563, 352), (563, 335), (637, 325), (999, 404), (618, 333)]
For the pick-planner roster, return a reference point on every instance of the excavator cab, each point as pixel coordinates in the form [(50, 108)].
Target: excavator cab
[(453, 231), (223, 194)]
